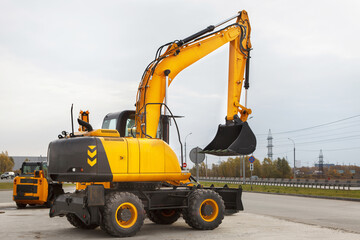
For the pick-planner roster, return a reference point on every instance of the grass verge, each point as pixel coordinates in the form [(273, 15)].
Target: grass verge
[(6, 185), (293, 190)]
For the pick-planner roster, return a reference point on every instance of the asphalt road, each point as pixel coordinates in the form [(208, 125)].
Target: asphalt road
[(34, 223), (337, 214), (266, 217)]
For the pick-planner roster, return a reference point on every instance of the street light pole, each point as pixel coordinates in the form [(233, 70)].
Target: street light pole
[(244, 177), (185, 146), (294, 158)]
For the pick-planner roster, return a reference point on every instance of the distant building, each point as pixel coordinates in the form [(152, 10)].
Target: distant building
[(18, 160)]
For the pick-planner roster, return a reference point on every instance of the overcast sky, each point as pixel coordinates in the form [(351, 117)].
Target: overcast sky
[(305, 71)]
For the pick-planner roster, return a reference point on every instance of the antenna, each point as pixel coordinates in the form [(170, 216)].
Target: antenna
[(72, 120)]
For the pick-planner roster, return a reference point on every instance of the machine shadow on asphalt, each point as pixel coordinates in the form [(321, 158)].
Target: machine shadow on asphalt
[(148, 229)]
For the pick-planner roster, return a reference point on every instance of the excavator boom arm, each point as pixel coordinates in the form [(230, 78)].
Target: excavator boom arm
[(180, 55)]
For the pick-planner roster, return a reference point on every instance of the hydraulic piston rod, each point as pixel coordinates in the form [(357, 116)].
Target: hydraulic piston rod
[(227, 20), (206, 30)]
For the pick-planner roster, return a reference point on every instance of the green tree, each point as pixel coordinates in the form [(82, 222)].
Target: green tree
[(257, 168), (282, 168), (267, 168), (202, 170), (5, 162)]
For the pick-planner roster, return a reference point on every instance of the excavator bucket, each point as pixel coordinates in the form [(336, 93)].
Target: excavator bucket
[(232, 140)]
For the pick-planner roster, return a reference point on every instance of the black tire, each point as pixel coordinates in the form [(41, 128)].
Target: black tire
[(165, 216), (21, 205), (123, 214), (206, 210), (76, 222), (48, 204), (32, 205), (102, 227)]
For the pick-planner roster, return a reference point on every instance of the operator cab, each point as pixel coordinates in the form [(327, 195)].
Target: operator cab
[(124, 123), (29, 168)]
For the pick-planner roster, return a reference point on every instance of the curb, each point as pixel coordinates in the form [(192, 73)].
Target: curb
[(7, 204), (309, 196)]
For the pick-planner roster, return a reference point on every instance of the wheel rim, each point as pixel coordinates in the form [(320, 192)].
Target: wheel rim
[(209, 210), (167, 213), (126, 215)]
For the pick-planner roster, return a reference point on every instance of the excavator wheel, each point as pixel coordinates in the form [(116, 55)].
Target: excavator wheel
[(76, 222), (165, 216), (206, 210), (123, 214), (20, 205)]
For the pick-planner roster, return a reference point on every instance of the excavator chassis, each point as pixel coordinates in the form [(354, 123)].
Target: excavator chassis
[(88, 205)]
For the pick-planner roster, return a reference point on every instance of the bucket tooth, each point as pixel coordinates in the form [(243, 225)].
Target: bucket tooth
[(232, 140)]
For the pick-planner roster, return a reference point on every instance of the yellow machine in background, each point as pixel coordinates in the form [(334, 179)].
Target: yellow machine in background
[(83, 115), (33, 187), (128, 167)]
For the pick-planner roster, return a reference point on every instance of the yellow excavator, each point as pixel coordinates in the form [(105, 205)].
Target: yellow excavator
[(33, 186), (128, 169)]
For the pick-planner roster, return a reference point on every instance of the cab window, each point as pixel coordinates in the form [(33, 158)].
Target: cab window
[(129, 130), (29, 169), (109, 124)]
